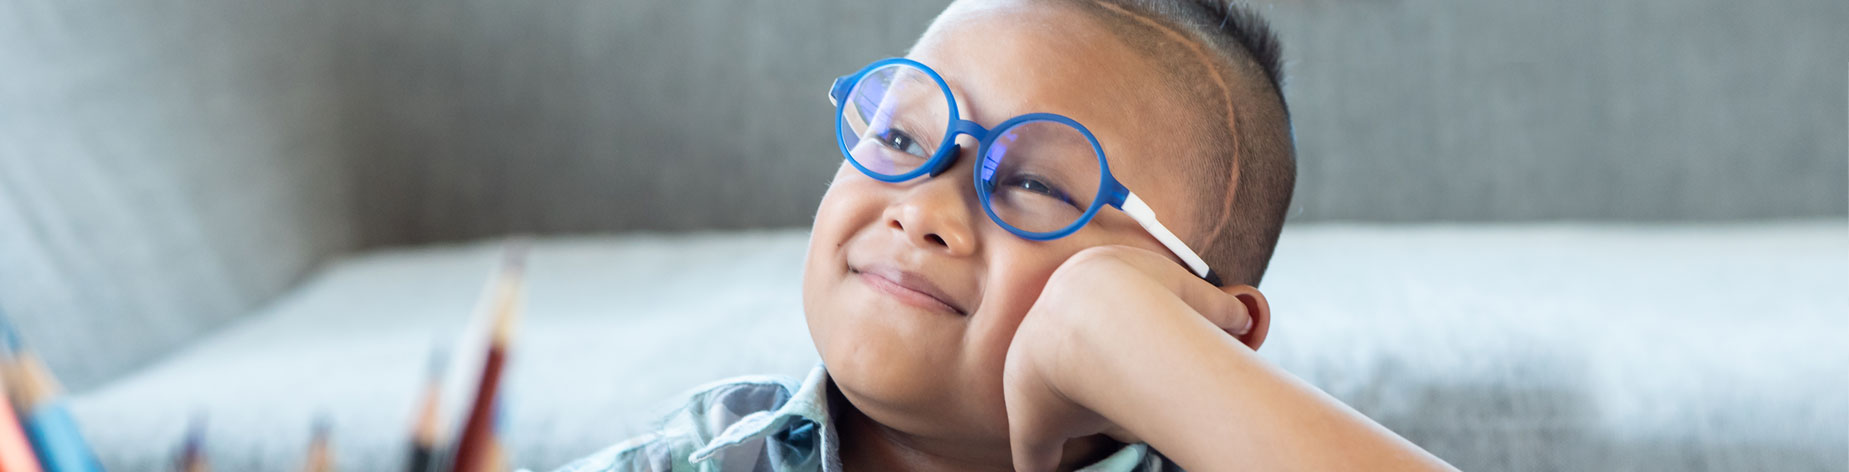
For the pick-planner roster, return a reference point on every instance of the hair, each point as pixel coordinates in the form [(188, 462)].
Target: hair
[(1224, 57)]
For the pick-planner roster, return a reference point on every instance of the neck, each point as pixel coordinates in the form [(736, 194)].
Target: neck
[(869, 445)]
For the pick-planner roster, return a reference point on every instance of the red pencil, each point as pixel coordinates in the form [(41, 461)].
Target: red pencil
[(474, 448)]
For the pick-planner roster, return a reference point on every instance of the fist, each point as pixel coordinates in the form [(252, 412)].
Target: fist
[(1097, 303)]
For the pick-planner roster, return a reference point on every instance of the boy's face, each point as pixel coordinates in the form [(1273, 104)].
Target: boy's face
[(912, 294)]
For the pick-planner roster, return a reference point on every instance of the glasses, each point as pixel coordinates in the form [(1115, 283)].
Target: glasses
[(1042, 176)]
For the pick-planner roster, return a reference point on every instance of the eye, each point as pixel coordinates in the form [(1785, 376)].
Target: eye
[(900, 141), (1039, 186)]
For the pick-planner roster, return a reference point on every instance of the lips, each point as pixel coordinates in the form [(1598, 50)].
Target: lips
[(907, 287)]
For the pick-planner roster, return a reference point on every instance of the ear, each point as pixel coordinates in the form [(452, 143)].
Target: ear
[(1257, 308)]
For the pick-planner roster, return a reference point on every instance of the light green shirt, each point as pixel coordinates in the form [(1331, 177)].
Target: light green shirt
[(769, 424)]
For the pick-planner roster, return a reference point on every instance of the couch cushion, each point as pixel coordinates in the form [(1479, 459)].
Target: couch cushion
[(1549, 347)]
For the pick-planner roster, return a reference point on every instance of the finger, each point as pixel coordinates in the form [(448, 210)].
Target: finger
[(1213, 303), (1123, 435), (1034, 457), (1033, 438)]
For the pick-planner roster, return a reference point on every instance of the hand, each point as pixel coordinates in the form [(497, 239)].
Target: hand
[(1091, 307)]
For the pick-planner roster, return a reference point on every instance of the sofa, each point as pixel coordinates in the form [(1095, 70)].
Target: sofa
[(1585, 235)]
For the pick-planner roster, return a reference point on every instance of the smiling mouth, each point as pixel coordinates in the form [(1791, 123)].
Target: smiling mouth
[(906, 288)]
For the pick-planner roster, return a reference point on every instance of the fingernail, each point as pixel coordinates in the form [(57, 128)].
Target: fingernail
[(1245, 329)]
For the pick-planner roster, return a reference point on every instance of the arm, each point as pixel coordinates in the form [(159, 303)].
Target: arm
[(1125, 342), (1210, 403)]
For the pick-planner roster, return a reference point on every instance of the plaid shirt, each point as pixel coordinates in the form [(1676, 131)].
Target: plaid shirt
[(769, 424)]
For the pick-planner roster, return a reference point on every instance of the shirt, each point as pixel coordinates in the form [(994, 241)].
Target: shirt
[(769, 424)]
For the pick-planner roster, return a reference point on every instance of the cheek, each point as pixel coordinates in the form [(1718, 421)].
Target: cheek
[(851, 202), (847, 206), (1017, 275)]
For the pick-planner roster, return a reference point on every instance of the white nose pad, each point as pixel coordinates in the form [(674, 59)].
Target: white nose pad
[(950, 160)]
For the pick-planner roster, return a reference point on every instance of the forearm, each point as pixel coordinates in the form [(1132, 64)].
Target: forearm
[(1210, 403)]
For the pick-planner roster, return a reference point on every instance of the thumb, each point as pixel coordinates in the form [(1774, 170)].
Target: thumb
[(1033, 438), (1033, 453)]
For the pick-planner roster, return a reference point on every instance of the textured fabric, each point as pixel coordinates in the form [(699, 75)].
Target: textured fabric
[(759, 423), (481, 117), (164, 168), (1497, 347)]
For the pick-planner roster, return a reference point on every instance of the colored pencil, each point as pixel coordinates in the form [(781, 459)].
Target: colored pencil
[(497, 450), (192, 450), (15, 451), (474, 446), (428, 424), (48, 424), (321, 448)]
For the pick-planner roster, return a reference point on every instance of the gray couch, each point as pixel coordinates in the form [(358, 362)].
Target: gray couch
[(1589, 234)]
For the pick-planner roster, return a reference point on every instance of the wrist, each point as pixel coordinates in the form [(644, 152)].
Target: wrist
[(1141, 383), (1097, 361)]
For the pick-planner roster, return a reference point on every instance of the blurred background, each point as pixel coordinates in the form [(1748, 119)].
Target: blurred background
[(265, 210)]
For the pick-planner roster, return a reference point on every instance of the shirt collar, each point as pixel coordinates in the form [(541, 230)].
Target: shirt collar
[(803, 423), (796, 428)]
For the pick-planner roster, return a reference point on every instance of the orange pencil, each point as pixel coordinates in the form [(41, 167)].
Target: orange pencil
[(428, 424), (320, 449)]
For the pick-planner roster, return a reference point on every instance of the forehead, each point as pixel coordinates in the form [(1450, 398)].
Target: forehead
[(1004, 58), (1010, 57)]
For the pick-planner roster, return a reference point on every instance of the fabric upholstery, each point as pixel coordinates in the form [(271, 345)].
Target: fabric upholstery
[(1497, 347), (162, 171), (165, 168)]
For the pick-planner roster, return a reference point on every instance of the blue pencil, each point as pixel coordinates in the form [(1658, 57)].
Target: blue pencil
[(48, 424)]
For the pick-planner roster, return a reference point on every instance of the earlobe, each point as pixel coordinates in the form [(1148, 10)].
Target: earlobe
[(1257, 308)]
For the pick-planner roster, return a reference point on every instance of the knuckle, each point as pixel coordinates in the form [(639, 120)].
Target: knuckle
[(1086, 264), (1101, 255)]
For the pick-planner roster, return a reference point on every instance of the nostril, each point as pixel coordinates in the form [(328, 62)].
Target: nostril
[(935, 239)]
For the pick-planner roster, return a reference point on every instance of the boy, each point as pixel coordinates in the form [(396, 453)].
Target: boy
[(1039, 254)]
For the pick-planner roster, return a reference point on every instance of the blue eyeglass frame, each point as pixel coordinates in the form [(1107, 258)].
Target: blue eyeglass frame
[(1110, 191)]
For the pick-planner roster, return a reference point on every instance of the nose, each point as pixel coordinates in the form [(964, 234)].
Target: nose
[(938, 213)]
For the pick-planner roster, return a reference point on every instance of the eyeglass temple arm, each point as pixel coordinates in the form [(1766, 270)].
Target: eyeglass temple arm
[(1141, 212)]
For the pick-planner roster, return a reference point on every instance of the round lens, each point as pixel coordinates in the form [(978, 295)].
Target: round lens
[(1040, 176), (895, 118)]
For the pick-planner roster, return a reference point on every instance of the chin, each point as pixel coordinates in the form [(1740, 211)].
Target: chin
[(900, 378), (913, 384)]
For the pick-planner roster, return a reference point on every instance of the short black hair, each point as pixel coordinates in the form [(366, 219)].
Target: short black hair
[(1248, 172)]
